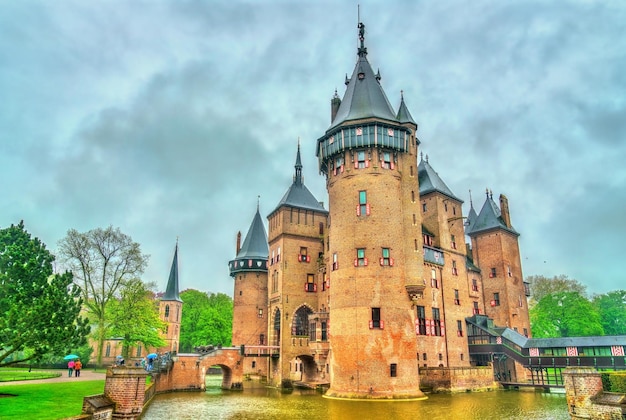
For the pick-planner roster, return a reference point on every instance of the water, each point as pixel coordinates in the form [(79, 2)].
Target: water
[(267, 403)]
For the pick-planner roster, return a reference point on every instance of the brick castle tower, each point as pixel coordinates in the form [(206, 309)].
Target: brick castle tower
[(249, 271), (368, 155)]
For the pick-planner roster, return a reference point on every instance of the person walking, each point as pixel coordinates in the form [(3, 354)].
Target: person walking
[(70, 368), (77, 367)]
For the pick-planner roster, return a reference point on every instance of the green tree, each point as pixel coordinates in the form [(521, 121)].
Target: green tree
[(206, 319), (39, 310), (135, 317), (612, 309), (101, 260), (541, 286), (564, 314)]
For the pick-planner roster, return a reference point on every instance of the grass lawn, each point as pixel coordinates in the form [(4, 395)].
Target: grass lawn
[(21, 374), (46, 401)]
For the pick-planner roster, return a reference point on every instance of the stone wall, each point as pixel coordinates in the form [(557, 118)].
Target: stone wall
[(586, 398), (458, 379)]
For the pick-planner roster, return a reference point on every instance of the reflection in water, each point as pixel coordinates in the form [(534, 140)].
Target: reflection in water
[(267, 403)]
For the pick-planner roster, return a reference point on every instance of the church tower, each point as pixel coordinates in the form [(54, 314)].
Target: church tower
[(496, 252), (369, 158), (249, 271), (170, 308)]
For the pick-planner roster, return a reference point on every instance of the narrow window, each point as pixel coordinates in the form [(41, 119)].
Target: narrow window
[(459, 328), (421, 320), (312, 331), (338, 165), (138, 354), (253, 364), (324, 331), (107, 352), (455, 271), (385, 160), (496, 299), (414, 219), (385, 259), (526, 332), (452, 242), (424, 207), (436, 322), (310, 283), (261, 339), (361, 162), (393, 370), (375, 322), (321, 228), (260, 314), (303, 255), (434, 282), (335, 263), (492, 274), (360, 258), (457, 301), (424, 357), (474, 285), (363, 209), (413, 196), (167, 311), (476, 311)]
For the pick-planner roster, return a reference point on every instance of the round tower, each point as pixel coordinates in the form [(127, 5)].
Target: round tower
[(249, 271), (369, 158)]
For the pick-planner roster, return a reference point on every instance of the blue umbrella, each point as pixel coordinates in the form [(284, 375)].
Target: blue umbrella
[(152, 356), (71, 357)]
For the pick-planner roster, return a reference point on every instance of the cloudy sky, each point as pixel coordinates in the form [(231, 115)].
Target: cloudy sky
[(168, 119)]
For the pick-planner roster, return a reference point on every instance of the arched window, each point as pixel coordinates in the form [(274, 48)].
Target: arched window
[(300, 324), (167, 311), (277, 327)]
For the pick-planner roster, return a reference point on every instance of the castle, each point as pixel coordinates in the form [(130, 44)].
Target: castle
[(363, 295)]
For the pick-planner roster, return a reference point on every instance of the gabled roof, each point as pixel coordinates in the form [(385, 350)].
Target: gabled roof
[(171, 292), (364, 97), (298, 195), (255, 244), (489, 218), (429, 180)]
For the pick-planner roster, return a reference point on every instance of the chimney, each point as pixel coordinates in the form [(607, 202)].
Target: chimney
[(504, 210), (238, 242), (334, 106)]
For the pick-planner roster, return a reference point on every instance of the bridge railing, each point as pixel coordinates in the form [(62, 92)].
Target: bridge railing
[(260, 351)]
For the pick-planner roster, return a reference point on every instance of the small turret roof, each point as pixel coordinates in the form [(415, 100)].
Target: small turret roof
[(471, 216), (404, 116), (489, 218), (255, 244), (364, 97), (171, 292), (298, 195), (430, 181)]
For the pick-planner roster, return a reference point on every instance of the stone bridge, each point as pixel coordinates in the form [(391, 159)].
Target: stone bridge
[(188, 370)]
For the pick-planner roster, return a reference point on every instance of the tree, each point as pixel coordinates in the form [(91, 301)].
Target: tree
[(612, 309), (541, 286), (39, 310), (206, 319), (135, 317), (101, 260), (564, 314)]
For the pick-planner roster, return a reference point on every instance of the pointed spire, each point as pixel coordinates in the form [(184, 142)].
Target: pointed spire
[(404, 116), (171, 292), (298, 176)]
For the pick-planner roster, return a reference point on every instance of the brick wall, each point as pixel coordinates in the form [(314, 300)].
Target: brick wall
[(458, 379)]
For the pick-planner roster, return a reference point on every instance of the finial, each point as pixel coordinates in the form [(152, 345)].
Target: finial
[(336, 95), (491, 194), (421, 155), (470, 194), (378, 75), (401, 95), (258, 202), (362, 51), (426, 158)]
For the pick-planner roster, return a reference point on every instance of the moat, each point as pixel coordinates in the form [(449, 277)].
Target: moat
[(268, 403)]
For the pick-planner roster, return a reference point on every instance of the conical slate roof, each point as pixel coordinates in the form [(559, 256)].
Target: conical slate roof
[(255, 244), (429, 181), (298, 195), (490, 217), (364, 97), (171, 292), (471, 218), (404, 116)]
